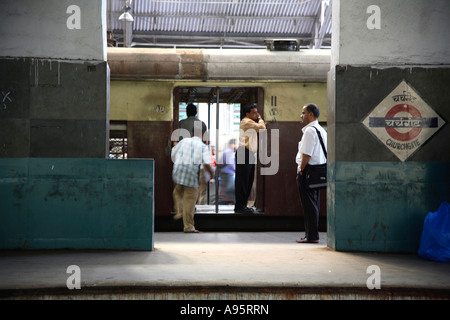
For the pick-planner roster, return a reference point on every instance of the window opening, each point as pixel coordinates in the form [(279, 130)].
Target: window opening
[(118, 142)]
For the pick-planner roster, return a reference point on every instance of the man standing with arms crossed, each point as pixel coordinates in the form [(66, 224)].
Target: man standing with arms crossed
[(310, 153), (250, 125)]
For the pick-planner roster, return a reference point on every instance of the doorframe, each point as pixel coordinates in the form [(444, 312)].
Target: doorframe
[(260, 179)]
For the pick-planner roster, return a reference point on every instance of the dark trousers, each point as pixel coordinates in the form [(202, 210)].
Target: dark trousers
[(310, 199), (245, 174)]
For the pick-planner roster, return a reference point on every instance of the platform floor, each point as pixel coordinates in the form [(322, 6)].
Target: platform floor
[(222, 265)]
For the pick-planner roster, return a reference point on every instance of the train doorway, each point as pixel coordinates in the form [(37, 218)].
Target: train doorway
[(220, 108)]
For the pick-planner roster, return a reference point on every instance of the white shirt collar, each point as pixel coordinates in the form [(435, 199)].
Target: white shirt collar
[(311, 124)]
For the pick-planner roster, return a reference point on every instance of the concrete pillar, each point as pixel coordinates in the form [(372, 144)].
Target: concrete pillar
[(388, 110), (54, 79), (56, 191)]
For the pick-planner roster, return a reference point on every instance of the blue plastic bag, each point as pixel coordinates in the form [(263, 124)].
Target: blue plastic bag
[(435, 239)]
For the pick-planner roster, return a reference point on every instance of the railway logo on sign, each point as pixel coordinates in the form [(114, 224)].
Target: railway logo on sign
[(403, 122)]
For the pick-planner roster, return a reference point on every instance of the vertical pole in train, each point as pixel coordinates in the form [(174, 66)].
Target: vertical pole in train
[(209, 141), (216, 177)]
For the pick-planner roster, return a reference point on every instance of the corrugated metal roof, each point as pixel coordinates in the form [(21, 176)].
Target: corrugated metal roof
[(225, 23)]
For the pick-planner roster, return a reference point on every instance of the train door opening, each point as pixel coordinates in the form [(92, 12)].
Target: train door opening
[(220, 108)]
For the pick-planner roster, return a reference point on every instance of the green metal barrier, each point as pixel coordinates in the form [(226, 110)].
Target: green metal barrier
[(48, 203), (381, 206)]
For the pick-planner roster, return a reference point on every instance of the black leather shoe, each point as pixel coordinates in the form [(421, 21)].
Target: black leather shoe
[(245, 210), (304, 240)]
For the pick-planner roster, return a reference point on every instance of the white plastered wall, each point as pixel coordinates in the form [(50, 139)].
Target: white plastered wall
[(45, 29), (410, 32)]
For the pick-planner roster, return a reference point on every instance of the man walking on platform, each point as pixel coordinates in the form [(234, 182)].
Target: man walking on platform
[(187, 156)]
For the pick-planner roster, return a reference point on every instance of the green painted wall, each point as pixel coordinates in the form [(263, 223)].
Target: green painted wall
[(50, 203), (381, 206)]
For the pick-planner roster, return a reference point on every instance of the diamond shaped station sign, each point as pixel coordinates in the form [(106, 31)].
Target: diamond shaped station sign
[(403, 122)]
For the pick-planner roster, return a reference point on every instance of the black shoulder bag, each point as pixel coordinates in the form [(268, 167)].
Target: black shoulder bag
[(316, 175)]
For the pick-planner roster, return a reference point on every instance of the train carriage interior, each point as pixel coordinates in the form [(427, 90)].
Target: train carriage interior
[(220, 108)]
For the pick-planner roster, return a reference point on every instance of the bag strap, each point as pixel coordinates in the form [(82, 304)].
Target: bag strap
[(321, 142)]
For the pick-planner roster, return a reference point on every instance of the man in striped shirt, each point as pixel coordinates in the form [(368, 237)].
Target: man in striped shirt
[(187, 157)]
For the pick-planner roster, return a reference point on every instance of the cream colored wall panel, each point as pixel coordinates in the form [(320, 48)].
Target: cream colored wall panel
[(153, 101), (284, 101), (141, 101)]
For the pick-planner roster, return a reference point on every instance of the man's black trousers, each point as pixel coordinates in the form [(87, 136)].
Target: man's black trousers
[(245, 174), (310, 199)]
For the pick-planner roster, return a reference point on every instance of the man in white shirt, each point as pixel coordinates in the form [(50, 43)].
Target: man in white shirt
[(310, 153)]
